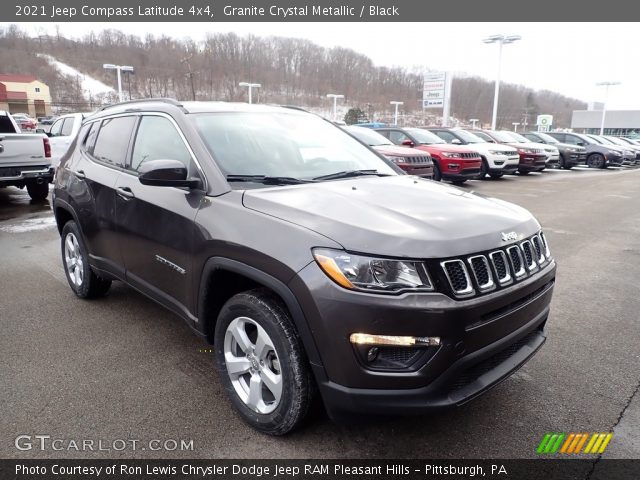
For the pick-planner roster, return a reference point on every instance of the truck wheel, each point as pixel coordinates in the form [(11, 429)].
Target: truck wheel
[(82, 279), (38, 191), (596, 160), (262, 363), (437, 175)]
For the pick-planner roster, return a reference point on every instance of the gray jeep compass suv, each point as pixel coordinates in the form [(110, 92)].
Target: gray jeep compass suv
[(310, 262)]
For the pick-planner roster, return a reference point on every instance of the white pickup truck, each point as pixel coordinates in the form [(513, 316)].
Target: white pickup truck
[(25, 159)]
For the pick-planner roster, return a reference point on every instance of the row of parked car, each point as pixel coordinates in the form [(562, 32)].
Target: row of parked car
[(458, 155)]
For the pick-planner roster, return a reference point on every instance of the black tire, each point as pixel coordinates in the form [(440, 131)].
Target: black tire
[(525, 172), (437, 175), (484, 169), (88, 285), (596, 160), (496, 176), (38, 191), (265, 309), (458, 182)]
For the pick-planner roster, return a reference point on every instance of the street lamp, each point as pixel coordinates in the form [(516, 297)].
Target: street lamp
[(395, 117), (473, 122), (335, 97), (119, 69), (500, 40), (251, 86), (515, 126), (606, 86)]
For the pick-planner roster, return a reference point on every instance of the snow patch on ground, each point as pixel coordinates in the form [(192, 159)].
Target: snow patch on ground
[(29, 225)]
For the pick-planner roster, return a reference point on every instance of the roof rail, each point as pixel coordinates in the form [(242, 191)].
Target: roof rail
[(294, 107), (170, 101)]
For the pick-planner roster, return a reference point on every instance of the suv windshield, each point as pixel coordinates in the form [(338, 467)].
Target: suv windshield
[(368, 136), (547, 138), (468, 136), (517, 137), (283, 144), (424, 136), (505, 137)]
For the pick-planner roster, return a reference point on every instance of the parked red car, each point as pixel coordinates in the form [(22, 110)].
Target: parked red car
[(532, 157), (411, 160), (454, 163), (24, 121)]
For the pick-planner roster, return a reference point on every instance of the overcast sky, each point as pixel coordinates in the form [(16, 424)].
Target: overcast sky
[(567, 58)]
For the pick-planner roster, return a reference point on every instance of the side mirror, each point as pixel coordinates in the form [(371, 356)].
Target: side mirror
[(408, 143), (456, 141), (166, 173), (582, 144), (41, 130)]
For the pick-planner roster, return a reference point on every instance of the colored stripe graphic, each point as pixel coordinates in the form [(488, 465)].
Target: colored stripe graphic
[(572, 443)]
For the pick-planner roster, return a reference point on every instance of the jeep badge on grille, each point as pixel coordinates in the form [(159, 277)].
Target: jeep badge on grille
[(506, 237)]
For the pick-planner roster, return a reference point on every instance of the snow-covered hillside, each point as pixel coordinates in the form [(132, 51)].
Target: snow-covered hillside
[(91, 87)]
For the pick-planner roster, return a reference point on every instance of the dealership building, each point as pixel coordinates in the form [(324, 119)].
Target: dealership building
[(616, 122), (24, 94)]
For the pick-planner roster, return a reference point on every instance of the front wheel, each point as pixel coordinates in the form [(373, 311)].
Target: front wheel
[(495, 176), (437, 175), (484, 169), (82, 279), (262, 363), (38, 191), (596, 160)]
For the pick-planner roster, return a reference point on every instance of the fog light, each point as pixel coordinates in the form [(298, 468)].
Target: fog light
[(453, 166), (372, 354), (391, 340)]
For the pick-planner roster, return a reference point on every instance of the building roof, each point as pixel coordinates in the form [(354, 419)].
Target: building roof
[(613, 119), (8, 77)]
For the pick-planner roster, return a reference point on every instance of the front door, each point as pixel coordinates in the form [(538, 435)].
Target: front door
[(156, 224)]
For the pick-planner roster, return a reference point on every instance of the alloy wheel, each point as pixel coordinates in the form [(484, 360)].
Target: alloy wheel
[(73, 259)]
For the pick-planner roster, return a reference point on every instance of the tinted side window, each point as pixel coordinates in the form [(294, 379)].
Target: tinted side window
[(113, 140), (158, 139), (6, 126), (446, 136), (67, 128), (397, 137), (90, 139), (572, 140), (56, 128)]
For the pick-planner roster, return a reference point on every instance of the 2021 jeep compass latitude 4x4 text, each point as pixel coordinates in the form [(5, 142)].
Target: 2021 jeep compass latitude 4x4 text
[(311, 262)]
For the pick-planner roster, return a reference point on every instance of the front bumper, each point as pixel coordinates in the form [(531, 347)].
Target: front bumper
[(483, 340)]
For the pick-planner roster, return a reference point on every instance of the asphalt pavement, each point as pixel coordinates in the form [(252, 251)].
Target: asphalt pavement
[(123, 368)]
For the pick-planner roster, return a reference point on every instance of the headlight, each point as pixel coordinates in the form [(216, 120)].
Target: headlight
[(451, 155), (569, 149), (394, 159), (525, 150), (497, 152), (371, 274)]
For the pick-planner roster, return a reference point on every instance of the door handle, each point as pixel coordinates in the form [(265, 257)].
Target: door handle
[(125, 192), (80, 174)]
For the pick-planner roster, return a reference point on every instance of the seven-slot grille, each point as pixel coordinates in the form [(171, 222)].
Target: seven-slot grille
[(485, 272), (418, 159), (469, 155)]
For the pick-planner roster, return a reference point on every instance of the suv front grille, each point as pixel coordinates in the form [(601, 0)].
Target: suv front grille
[(477, 274), (418, 159), (469, 155)]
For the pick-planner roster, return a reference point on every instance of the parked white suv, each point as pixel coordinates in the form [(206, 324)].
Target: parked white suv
[(497, 159), (553, 154), (62, 133)]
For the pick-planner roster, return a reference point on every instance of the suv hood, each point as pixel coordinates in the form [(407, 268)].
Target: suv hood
[(400, 216), (396, 151)]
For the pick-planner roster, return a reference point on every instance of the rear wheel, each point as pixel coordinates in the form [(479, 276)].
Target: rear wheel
[(262, 363), (82, 279), (38, 191), (596, 160)]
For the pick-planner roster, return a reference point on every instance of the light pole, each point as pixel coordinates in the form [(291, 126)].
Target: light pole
[(500, 40), (515, 126), (119, 69), (395, 116), (473, 122), (335, 97), (606, 86), (251, 86)]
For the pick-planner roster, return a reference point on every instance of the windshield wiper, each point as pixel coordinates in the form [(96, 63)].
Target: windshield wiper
[(267, 180), (349, 174)]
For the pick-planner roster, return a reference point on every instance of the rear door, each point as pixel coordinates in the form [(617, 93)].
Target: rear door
[(156, 224), (94, 169)]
